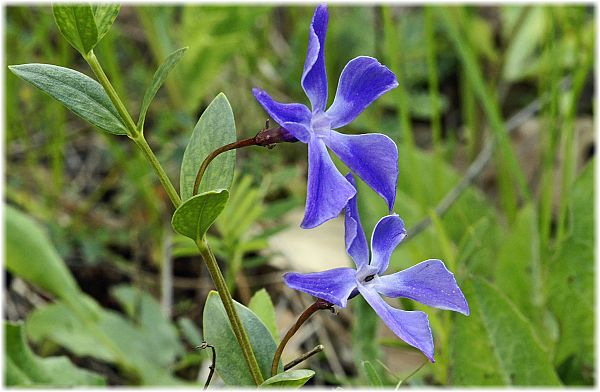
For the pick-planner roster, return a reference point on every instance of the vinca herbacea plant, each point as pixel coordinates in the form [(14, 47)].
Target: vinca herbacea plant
[(235, 333)]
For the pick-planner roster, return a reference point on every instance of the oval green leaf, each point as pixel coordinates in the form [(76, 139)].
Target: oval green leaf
[(77, 24), (31, 256), (79, 93), (194, 217), (230, 362), (215, 128), (159, 78), (292, 378)]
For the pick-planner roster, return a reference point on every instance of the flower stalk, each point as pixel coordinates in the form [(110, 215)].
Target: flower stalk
[(318, 305), (265, 138)]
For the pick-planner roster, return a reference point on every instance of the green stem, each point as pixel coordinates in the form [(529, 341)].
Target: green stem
[(164, 179), (112, 94), (205, 251), (236, 324), (132, 130)]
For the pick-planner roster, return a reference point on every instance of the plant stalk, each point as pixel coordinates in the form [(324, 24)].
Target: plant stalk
[(132, 131), (207, 255), (162, 175), (112, 93), (236, 323)]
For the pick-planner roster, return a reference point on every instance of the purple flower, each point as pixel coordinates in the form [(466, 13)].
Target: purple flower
[(373, 157), (428, 282)]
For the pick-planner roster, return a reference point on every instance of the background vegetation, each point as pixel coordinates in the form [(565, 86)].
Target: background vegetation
[(494, 122)]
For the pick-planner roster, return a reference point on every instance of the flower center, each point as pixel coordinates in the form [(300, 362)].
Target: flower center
[(366, 274), (320, 124)]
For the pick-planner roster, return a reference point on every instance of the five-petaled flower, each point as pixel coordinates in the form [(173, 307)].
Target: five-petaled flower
[(428, 282), (373, 157)]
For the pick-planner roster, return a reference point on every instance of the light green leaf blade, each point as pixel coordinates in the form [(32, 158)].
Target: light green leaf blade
[(291, 378), (110, 338), (261, 304), (215, 128), (372, 375), (31, 256), (194, 217), (230, 361), (76, 23), (517, 265), (507, 349), (105, 15), (24, 368), (79, 93), (159, 78), (571, 277)]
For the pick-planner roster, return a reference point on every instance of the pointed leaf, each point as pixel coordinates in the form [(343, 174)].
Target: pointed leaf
[(505, 343), (291, 378), (24, 368), (230, 361), (215, 128), (77, 24), (194, 217), (261, 304), (372, 375), (159, 78), (105, 15), (79, 93)]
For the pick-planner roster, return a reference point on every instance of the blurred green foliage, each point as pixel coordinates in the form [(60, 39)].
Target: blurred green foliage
[(520, 244)]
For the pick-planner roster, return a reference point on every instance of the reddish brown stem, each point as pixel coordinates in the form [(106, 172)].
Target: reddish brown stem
[(266, 137), (318, 305)]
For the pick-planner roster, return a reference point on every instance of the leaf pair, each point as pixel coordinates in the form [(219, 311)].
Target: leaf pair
[(84, 25), (233, 371), (215, 128)]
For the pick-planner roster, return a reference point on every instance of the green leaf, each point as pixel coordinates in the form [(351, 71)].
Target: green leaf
[(77, 24), (24, 368), (79, 93), (230, 361), (261, 304), (292, 378), (496, 344), (517, 266), (571, 277), (215, 128), (105, 15), (31, 256), (194, 217), (159, 78), (372, 375), (134, 347)]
